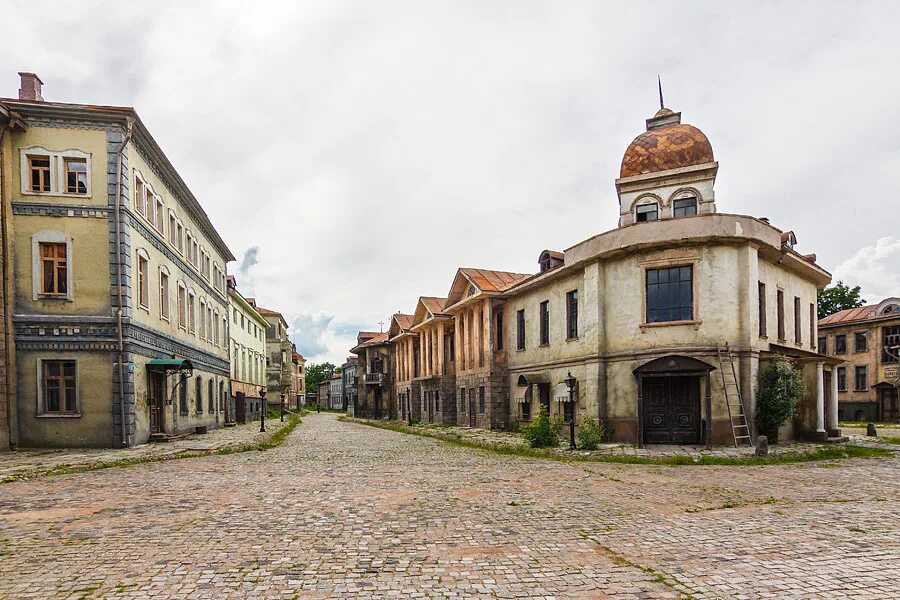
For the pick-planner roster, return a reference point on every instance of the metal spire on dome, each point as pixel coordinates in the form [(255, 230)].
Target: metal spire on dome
[(659, 81)]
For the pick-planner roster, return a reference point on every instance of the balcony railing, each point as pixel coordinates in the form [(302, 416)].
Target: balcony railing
[(375, 378)]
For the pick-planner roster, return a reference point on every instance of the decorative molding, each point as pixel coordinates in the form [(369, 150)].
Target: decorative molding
[(51, 209)]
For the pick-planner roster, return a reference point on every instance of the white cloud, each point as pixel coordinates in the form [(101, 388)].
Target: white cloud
[(876, 269), (369, 149)]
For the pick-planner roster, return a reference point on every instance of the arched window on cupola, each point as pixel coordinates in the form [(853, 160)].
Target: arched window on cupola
[(684, 206), (646, 211)]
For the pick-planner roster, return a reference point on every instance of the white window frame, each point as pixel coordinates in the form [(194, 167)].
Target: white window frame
[(142, 254), (39, 391), (57, 170), (202, 306), (51, 237), (191, 311), (183, 307), (164, 295)]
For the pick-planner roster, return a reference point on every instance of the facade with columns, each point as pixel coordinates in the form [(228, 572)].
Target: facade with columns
[(405, 358), (437, 361)]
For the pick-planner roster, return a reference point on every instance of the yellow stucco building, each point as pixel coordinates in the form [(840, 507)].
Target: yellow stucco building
[(120, 307)]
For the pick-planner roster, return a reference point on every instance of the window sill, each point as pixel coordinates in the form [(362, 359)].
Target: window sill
[(572, 339), (58, 415), (54, 297), (57, 194), (764, 337), (692, 323), (547, 345), (520, 349)]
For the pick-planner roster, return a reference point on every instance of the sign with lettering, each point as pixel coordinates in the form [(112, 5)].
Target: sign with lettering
[(891, 372)]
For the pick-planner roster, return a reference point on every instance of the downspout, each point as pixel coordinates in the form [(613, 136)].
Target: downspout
[(119, 295), (4, 224)]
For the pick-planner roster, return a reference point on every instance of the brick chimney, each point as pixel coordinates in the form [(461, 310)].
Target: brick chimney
[(30, 87)]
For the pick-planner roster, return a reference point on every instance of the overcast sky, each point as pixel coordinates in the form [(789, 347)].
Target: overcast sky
[(354, 154)]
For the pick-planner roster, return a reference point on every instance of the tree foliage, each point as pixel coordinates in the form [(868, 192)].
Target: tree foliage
[(780, 389), (838, 297), (316, 373)]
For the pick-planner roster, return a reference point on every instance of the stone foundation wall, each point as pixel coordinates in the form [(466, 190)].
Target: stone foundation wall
[(496, 399), (442, 391)]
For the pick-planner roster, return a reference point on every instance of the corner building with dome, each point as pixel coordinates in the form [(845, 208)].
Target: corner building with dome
[(663, 323)]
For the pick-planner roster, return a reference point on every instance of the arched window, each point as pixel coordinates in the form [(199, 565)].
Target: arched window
[(198, 397), (648, 211), (684, 207), (210, 398)]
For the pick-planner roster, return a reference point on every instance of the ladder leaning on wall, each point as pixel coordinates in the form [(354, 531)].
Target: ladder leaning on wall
[(737, 416)]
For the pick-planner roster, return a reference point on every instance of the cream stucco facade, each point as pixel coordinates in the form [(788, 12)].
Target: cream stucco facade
[(81, 183), (248, 351)]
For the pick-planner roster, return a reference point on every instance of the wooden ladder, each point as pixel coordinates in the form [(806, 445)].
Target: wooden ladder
[(737, 416)]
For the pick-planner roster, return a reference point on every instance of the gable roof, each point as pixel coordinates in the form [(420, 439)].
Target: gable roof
[(400, 324), (428, 308), (481, 281), (886, 309), (367, 339)]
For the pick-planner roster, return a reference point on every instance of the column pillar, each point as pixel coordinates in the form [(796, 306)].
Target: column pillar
[(833, 426), (820, 398)]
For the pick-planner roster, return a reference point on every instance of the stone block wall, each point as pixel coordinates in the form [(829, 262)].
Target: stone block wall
[(496, 391)]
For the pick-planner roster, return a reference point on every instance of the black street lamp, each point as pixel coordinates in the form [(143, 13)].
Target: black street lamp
[(570, 383), (262, 414), (409, 408), (282, 407)]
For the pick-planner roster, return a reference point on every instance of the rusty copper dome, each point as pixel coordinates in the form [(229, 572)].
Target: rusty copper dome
[(667, 146)]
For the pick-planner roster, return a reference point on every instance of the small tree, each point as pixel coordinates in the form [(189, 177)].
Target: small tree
[(838, 297), (540, 434), (780, 389), (590, 434)]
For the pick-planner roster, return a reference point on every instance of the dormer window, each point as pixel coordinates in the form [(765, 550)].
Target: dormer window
[(647, 212), (684, 207)]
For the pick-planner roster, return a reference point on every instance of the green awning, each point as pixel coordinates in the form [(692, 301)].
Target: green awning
[(170, 363)]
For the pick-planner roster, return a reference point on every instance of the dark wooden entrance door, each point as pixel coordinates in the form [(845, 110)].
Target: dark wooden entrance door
[(240, 407), (473, 422), (890, 407), (671, 410), (157, 401), (544, 396), (378, 402)]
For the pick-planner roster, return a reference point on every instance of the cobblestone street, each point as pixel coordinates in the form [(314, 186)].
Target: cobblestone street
[(345, 510)]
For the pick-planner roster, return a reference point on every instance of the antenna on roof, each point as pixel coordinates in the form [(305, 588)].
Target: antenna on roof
[(659, 81)]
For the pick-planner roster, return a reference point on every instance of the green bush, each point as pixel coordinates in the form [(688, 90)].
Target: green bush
[(540, 433), (780, 390), (590, 434)]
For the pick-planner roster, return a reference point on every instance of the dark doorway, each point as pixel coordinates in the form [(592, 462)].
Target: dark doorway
[(378, 402), (240, 407), (544, 396), (157, 401), (890, 407), (473, 417), (671, 411)]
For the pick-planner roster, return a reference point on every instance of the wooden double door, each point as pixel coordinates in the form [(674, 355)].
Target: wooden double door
[(671, 409), (157, 400)]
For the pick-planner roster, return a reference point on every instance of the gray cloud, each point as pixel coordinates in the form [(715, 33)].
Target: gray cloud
[(373, 148), (249, 260), (309, 332)]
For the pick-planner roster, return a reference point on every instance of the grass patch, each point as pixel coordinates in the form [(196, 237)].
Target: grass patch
[(274, 440), (864, 424), (889, 439), (831, 452)]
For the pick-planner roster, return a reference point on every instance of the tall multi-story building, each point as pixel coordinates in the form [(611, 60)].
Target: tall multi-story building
[(121, 329), (405, 369), (279, 349), (437, 361), (298, 379), (350, 376), (867, 342), (374, 392), (248, 357)]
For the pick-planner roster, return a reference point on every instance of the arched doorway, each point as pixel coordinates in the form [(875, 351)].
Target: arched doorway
[(669, 400)]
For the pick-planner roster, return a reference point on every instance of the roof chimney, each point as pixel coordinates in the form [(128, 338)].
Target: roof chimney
[(30, 87)]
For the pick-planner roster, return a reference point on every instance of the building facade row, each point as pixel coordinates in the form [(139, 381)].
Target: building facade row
[(119, 326), (637, 327)]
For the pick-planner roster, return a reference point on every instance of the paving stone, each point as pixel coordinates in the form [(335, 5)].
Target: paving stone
[(342, 510)]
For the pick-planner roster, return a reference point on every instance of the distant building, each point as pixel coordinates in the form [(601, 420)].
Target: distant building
[(279, 375), (248, 358), (867, 340), (336, 392), (298, 379), (323, 398), (374, 352), (350, 375)]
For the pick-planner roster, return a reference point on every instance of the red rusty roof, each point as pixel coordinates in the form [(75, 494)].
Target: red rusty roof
[(493, 281), (434, 304), (667, 147), (861, 313)]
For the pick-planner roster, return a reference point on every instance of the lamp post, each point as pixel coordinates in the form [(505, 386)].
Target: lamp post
[(262, 414), (570, 383), (282, 407)]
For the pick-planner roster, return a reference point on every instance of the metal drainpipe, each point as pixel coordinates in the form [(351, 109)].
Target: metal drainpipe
[(6, 360), (119, 295)]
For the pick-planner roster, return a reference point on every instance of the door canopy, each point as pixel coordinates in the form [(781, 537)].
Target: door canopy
[(674, 364)]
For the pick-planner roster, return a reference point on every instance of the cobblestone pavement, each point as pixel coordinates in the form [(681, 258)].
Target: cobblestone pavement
[(342, 510), (28, 462)]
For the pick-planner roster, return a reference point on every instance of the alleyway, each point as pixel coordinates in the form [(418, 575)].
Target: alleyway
[(344, 510)]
